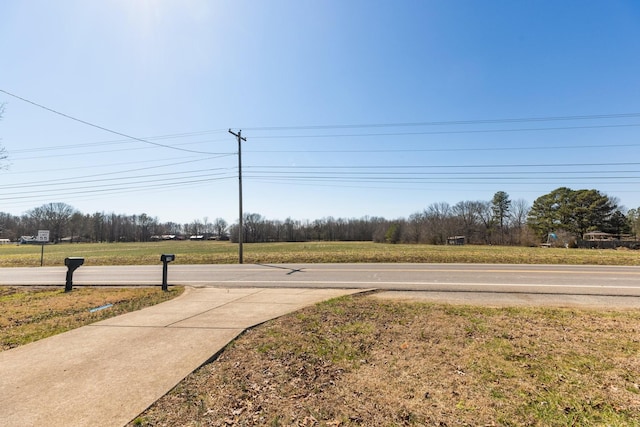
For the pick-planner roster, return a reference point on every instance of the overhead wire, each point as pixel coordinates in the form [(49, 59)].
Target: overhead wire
[(161, 183), (492, 165), (111, 142), (102, 193), (319, 174), (472, 179), (98, 166), (449, 122), (101, 127), (79, 154), (448, 174), (444, 132), (394, 188), (83, 180), (435, 150)]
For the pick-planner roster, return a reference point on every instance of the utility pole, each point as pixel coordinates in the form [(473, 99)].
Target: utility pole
[(240, 226)]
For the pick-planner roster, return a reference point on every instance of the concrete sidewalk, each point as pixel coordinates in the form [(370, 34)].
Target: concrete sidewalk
[(107, 373)]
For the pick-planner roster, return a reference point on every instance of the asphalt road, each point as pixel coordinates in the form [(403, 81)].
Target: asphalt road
[(495, 278)]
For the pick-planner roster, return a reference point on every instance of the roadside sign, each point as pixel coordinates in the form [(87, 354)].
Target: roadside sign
[(43, 236)]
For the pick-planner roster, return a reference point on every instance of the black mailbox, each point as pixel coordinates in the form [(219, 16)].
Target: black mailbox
[(166, 259), (72, 264)]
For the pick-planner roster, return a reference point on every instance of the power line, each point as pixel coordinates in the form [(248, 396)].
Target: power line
[(435, 150), (392, 187), (463, 175), (447, 132), (449, 122), (125, 187), (103, 143), (51, 110), (451, 180), (500, 165), (91, 195), (343, 176), (111, 185), (83, 180), (79, 154), (119, 150), (421, 177), (105, 165)]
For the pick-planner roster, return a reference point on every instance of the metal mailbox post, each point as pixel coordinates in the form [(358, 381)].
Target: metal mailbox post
[(166, 259), (72, 264)]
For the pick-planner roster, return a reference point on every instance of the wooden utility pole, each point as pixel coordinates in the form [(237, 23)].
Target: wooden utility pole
[(240, 226)]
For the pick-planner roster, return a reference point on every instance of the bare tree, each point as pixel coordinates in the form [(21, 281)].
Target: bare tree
[(206, 225), (196, 227), (220, 228), (414, 230), (145, 225), (519, 210), (53, 216), (485, 213), (468, 214), (438, 220)]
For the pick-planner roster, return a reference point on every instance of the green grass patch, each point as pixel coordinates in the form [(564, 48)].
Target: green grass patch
[(212, 252)]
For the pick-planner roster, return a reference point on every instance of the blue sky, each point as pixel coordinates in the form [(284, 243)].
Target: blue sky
[(350, 108)]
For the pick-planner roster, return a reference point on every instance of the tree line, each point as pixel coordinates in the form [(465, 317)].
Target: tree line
[(480, 222), (66, 223), (566, 212)]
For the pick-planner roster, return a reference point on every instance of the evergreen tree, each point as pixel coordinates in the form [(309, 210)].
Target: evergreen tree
[(574, 211), (500, 206)]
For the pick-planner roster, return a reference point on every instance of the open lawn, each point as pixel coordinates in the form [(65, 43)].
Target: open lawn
[(30, 314), (365, 361), (211, 252), (362, 361)]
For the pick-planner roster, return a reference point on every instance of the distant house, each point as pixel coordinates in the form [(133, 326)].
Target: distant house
[(597, 236), (28, 240), (164, 237), (197, 237), (4, 241), (455, 240), (601, 240), (74, 239)]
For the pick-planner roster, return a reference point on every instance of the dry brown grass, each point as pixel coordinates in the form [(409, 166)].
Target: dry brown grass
[(213, 252), (30, 314), (364, 361)]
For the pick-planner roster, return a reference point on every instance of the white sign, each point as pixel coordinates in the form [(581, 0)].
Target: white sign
[(43, 236)]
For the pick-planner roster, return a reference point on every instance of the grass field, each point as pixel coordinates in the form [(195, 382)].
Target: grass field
[(361, 361), (30, 314), (309, 252)]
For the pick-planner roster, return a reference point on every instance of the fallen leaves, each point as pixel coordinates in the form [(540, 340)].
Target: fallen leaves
[(356, 362)]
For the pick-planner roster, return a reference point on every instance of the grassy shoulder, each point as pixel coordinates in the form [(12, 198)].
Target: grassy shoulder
[(211, 252), (28, 314), (364, 361)]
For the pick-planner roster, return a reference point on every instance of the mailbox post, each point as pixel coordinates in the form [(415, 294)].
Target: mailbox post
[(166, 259), (72, 264)]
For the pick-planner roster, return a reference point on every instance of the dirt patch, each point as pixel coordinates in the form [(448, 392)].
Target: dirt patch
[(366, 361)]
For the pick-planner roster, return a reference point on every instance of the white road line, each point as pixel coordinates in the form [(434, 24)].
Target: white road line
[(346, 282)]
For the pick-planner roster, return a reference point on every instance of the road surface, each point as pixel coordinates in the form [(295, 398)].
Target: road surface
[(537, 279)]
